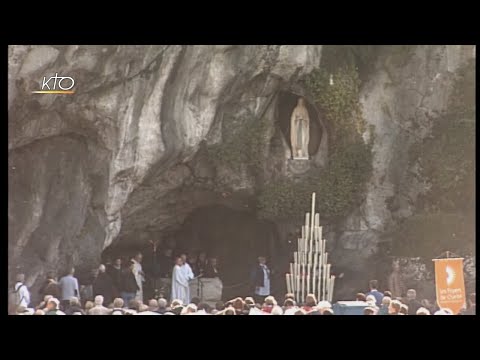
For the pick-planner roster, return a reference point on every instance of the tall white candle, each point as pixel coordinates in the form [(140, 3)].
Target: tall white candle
[(313, 217), (319, 283), (324, 285), (289, 289), (295, 257), (298, 281), (332, 284), (308, 284), (320, 232), (317, 219)]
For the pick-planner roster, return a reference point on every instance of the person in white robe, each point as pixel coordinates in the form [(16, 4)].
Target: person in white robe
[(139, 275), (187, 270), (180, 287)]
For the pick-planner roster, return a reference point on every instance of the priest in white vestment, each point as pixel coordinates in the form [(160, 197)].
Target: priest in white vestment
[(180, 288), (139, 276), (187, 270)]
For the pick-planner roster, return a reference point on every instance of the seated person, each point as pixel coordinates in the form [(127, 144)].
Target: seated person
[(211, 269)]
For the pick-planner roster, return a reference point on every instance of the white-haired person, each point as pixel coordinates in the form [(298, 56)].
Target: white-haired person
[(385, 305), (118, 307), (98, 308), (372, 302), (423, 311), (189, 309), (277, 310), (53, 307)]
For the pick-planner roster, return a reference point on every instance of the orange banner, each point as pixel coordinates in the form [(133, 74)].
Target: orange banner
[(449, 283)]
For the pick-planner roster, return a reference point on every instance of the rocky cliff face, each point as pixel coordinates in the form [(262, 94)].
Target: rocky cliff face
[(125, 155), (115, 158)]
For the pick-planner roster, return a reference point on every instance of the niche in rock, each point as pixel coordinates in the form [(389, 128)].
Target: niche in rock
[(286, 103)]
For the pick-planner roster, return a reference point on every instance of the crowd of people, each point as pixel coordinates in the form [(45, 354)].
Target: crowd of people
[(61, 298)]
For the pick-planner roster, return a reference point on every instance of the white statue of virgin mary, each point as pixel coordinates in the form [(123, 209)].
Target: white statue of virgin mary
[(300, 131)]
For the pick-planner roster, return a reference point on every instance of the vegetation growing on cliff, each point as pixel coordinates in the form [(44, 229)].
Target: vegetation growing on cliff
[(446, 162), (341, 185), (338, 188), (245, 147)]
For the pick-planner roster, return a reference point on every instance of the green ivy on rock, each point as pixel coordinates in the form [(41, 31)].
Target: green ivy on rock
[(245, 147)]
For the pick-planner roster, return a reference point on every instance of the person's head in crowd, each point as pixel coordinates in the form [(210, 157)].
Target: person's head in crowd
[(395, 306), (189, 309), (404, 309), (300, 312), (386, 301), (118, 303), (324, 304), (270, 301), (88, 305), (176, 303), (71, 271), (238, 303), (117, 262), (369, 311), (411, 294), (423, 311), (289, 303), (229, 311), (178, 261), (98, 300), (289, 296), (20, 278), (205, 307), (311, 300), (45, 300), (138, 257), (53, 304), (361, 297), (387, 293), (39, 312), (195, 300), (277, 310), (162, 303), (327, 312), (74, 302), (101, 269), (249, 301), (153, 305), (371, 301), (262, 260), (183, 256)]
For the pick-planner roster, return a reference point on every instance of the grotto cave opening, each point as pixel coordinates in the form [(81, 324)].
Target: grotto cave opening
[(287, 101), (235, 237)]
